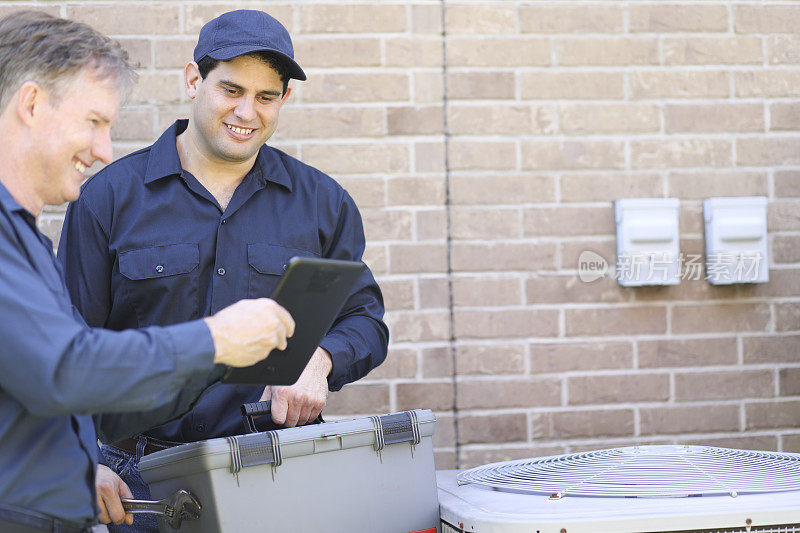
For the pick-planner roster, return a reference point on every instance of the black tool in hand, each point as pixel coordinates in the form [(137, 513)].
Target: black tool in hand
[(175, 509)]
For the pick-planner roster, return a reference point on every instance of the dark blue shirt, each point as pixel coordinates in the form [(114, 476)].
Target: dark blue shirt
[(55, 371), (147, 244)]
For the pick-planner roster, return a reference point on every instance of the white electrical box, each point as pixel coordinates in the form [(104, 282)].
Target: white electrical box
[(648, 251), (736, 240)]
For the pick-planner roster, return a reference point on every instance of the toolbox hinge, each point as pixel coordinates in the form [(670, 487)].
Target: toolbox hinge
[(254, 449), (394, 428)]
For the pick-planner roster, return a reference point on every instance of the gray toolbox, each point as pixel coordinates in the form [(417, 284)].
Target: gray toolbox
[(373, 474)]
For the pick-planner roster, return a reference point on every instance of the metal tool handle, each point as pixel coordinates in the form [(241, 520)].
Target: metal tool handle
[(180, 506), (252, 410)]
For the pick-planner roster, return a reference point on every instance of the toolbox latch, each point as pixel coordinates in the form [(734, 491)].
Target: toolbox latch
[(254, 449)]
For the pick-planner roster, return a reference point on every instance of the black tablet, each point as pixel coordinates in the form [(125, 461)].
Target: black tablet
[(313, 291)]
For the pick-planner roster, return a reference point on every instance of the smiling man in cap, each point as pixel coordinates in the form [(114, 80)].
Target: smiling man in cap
[(221, 213)]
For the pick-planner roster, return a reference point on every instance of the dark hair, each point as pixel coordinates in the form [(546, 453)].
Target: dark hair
[(52, 51), (207, 64)]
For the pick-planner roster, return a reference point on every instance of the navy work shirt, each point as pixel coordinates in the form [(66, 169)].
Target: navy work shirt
[(147, 244), (55, 371)]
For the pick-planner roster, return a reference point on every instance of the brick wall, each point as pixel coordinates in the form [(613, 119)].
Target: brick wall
[(486, 163)]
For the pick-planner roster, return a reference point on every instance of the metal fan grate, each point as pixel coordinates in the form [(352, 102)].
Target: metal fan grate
[(644, 471)]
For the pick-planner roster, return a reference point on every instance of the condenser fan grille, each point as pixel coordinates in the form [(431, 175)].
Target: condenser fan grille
[(644, 471)]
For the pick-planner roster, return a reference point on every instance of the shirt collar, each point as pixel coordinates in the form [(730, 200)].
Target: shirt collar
[(164, 160), (10, 204)]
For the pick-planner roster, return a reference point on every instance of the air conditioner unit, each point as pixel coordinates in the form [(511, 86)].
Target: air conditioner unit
[(642, 489)]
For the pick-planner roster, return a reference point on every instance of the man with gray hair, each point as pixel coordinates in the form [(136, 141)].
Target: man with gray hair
[(61, 84)]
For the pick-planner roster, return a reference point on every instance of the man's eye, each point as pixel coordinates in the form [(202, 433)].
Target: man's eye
[(231, 91)]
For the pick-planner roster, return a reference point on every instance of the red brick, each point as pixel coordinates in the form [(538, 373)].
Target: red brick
[(676, 17), (569, 356), (609, 118), (484, 291), (590, 423), (681, 153), (571, 85), (772, 414), (716, 118), (399, 363), (494, 51), (720, 385), (437, 362), (419, 326), (638, 387), (787, 317), (789, 381), (417, 258), (503, 120), (713, 51), (767, 83), (568, 221), (755, 442), (532, 392), (490, 359), (613, 321), (356, 87), (607, 51), (771, 349), (719, 317), (471, 458), (573, 155), (502, 189), (425, 395), (492, 428), (690, 352), (353, 18), (689, 419), (679, 84), (480, 85), (477, 223), (766, 19), (511, 323), (359, 398), (700, 185), (499, 256), (479, 19), (607, 187), (570, 289), (330, 51), (570, 19)]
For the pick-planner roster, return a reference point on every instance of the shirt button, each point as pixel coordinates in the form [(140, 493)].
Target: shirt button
[(159, 268), (224, 220), (200, 428), (285, 267), (221, 271)]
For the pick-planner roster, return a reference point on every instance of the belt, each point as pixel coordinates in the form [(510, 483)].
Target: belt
[(129, 446), (17, 520)]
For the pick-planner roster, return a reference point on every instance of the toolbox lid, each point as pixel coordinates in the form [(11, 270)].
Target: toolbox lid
[(273, 447)]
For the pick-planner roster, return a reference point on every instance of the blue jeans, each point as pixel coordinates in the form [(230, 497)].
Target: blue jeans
[(126, 466)]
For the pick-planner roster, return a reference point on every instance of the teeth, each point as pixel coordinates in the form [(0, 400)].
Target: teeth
[(80, 166), (240, 131)]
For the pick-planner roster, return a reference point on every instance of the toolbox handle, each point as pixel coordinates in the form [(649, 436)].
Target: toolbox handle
[(252, 410)]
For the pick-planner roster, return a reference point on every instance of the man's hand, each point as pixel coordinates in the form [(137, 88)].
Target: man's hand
[(110, 490), (244, 333), (300, 403)]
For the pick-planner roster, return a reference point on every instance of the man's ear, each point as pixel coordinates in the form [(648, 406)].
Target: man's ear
[(286, 95), (29, 97), (191, 78)]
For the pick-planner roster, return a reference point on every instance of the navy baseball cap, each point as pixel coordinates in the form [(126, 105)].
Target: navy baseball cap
[(243, 31)]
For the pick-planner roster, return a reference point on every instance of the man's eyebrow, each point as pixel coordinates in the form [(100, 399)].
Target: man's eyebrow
[(238, 87)]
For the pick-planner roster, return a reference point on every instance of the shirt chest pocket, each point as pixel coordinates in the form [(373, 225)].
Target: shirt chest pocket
[(268, 262), (161, 283)]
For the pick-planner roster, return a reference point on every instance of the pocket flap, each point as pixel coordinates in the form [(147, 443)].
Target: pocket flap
[(159, 261), (272, 258)]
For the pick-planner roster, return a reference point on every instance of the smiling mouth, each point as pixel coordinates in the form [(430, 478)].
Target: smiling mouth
[(240, 131), (80, 165)]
